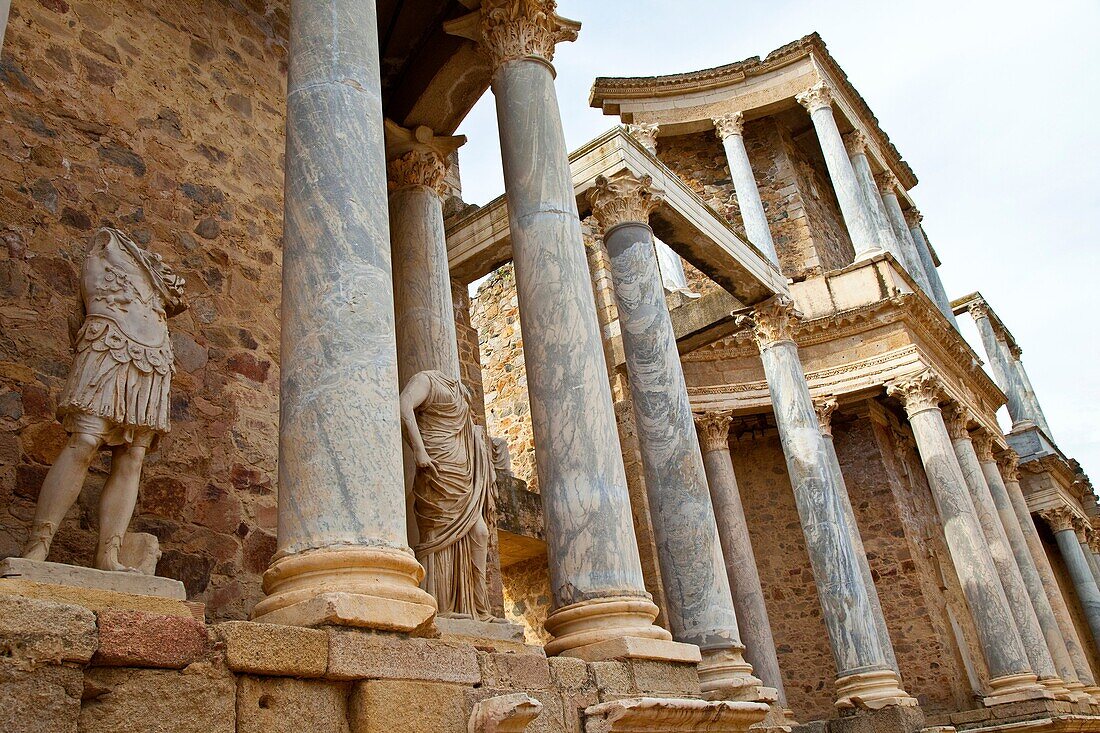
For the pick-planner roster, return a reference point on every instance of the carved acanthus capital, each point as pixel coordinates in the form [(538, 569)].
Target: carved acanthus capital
[(771, 321), (818, 96), (855, 142), (1060, 519), (888, 184), (913, 218), (1009, 463), (978, 309), (825, 407), (1094, 541), (646, 134), (1014, 349), (956, 418), (624, 198), (418, 157), (714, 430), (983, 446), (509, 30), (731, 124), (918, 393)]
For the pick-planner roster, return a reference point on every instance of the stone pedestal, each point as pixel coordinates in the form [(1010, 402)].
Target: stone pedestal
[(55, 573)]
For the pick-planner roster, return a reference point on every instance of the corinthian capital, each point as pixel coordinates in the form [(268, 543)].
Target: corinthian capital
[(855, 142), (983, 446), (772, 321), (714, 430), (825, 407), (1009, 463), (816, 97), (731, 124), (978, 309), (624, 198), (918, 393), (646, 134), (956, 418), (418, 157), (888, 184), (1059, 518), (507, 30), (913, 218), (1094, 541)]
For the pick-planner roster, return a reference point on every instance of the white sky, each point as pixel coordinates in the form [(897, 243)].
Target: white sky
[(993, 104)]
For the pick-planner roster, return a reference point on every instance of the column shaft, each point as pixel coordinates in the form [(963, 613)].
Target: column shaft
[(1083, 581), (1090, 560), (939, 295), (729, 129), (861, 165), (343, 554), (1033, 409), (910, 257), (1007, 378)]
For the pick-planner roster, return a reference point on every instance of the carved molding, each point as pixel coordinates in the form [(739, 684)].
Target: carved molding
[(731, 124), (855, 142), (825, 407), (1060, 519), (956, 418), (918, 393), (624, 198), (772, 321), (713, 429), (1009, 463), (509, 30), (818, 96), (646, 134)]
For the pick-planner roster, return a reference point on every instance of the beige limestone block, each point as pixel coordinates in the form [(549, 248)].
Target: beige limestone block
[(659, 677), (388, 706), (360, 655), (633, 647), (197, 699), (93, 598), (286, 705), (56, 573), (41, 700), (570, 673), (33, 631), (529, 671), (271, 649)]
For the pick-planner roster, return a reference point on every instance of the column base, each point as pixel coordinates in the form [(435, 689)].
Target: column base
[(725, 675), (371, 587), (1092, 691), (1015, 688), (1056, 686), (585, 625), (1079, 693), (872, 690)]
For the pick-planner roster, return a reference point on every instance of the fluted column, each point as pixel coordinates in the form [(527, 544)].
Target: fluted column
[(865, 677), (939, 295), (1062, 522), (1026, 622), (857, 216), (1009, 466), (423, 304), (730, 129), (1011, 677), (1044, 613), (1004, 373), (888, 187), (599, 597), (1033, 409), (733, 531), (343, 554), (856, 145)]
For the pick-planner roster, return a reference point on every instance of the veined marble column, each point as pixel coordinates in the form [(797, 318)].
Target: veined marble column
[(1044, 614), (957, 418), (939, 295), (825, 408), (1006, 376), (599, 597), (733, 530), (1063, 522), (423, 304), (343, 554), (865, 677), (1011, 676), (818, 102), (1084, 538), (730, 129), (1009, 466), (888, 187), (856, 145), (697, 591), (1030, 400), (1092, 549), (5, 9)]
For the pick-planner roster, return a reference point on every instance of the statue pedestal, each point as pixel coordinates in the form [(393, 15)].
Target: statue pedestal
[(500, 636)]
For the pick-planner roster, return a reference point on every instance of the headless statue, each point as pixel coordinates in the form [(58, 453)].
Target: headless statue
[(116, 395), (452, 492)]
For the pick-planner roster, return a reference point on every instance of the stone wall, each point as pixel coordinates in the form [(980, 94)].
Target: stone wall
[(166, 120), (527, 597)]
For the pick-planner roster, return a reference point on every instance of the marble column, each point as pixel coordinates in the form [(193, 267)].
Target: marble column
[(343, 554), (600, 605), (924, 253), (697, 592), (857, 216), (957, 419), (423, 304), (856, 145), (1044, 614), (865, 677), (733, 530), (1011, 676), (5, 9), (730, 130), (825, 408), (1084, 538), (1007, 378), (1009, 467), (888, 187), (1033, 409), (1062, 522), (1093, 549)]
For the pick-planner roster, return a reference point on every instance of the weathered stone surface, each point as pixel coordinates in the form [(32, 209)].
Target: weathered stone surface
[(35, 630), (269, 649), (291, 706), (569, 673), (653, 677), (357, 654), (385, 706), (45, 699), (54, 573), (197, 699), (525, 671), (136, 639)]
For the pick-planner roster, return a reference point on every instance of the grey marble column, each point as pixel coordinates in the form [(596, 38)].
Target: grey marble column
[(957, 419), (1009, 466), (733, 530), (730, 129), (423, 304), (1011, 677), (857, 216), (5, 9), (939, 295), (1089, 558), (697, 592), (856, 145), (599, 597), (343, 555), (889, 186), (1048, 623), (1033, 409), (865, 676), (1006, 376), (1063, 523)]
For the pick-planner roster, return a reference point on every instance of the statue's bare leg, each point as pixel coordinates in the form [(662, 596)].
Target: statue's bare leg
[(60, 491), (479, 556), (116, 505)]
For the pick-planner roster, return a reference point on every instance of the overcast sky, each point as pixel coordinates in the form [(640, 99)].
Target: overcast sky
[(993, 104)]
